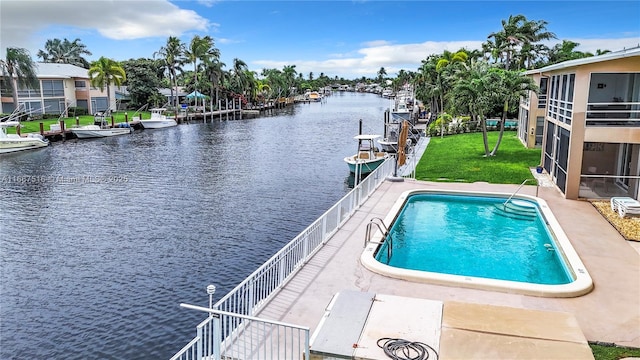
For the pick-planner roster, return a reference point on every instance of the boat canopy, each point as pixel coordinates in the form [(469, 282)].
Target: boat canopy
[(366, 137)]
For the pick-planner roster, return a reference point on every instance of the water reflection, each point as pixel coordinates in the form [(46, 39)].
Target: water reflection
[(96, 269)]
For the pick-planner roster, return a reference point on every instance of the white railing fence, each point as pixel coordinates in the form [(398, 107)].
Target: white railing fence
[(249, 338), (246, 299)]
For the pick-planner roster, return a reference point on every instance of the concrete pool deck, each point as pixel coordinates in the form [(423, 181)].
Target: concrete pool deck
[(610, 313)]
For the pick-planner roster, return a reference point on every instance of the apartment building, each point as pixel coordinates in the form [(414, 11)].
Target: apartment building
[(586, 120), (60, 86)]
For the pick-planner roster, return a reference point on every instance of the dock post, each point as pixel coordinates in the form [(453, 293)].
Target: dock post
[(18, 130), (77, 121), (62, 131), (42, 129), (113, 121), (126, 117)]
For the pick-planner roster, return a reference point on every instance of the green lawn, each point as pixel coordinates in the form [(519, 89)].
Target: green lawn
[(608, 352), (461, 158), (34, 126)]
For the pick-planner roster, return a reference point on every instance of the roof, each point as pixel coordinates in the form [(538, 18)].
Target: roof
[(168, 92), (588, 60), (61, 71)]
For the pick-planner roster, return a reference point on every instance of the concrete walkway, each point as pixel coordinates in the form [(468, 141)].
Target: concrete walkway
[(610, 313)]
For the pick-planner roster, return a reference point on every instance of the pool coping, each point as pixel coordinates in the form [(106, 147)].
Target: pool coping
[(610, 313), (581, 285)]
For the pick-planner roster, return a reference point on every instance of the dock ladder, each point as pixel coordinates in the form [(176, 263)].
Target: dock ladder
[(386, 235)]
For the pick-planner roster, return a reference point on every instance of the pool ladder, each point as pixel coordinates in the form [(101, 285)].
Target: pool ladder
[(382, 228)]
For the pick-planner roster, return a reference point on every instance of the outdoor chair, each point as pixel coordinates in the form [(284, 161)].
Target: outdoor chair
[(625, 206)]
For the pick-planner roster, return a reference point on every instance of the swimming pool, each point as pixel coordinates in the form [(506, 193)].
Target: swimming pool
[(469, 239)]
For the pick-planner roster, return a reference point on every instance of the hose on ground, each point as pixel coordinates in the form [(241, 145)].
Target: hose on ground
[(400, 349)]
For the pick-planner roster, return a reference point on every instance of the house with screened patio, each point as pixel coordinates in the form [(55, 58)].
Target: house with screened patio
[(59, 86), (586, 119)]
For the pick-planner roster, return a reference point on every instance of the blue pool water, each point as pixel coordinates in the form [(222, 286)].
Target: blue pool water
[(470, 236)]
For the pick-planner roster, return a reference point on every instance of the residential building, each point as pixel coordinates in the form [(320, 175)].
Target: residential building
[(60, 86), (586, 120)]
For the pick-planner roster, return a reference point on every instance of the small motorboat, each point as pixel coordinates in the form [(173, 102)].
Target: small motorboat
[(14, 142), (158, 120), (368, 158)]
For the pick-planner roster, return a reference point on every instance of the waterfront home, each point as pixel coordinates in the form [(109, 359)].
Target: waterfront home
[(586, 118), (59, 86)]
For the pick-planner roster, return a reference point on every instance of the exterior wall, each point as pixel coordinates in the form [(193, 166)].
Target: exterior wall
[(579, 132), (71, 93), (530, 122)]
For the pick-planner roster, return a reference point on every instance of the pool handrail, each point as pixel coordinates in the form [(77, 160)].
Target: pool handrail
[(518, 189)]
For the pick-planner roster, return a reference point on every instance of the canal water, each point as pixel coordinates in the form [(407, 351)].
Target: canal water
[(102, 239)]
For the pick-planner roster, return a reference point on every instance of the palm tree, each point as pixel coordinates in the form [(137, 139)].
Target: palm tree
[(565, 51), (199, 49), (475, 92), (104, 72), (446, 68), (289, 73), (239, 78), (19, 70), (381, 74), (214, 72), (511, 87), (65, 52), (171, 56), (512, 34)]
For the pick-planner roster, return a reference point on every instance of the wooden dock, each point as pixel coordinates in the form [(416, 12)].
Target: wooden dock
[(60, 132)]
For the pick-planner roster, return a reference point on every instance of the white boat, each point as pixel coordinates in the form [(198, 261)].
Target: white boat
[(400, 111), (158, 120), (313, 96), (368, 158), (14, 142), (97, 131), (100, 128)]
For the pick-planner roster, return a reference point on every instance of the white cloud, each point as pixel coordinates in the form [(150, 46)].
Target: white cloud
[(371, 58), (113, 19), (591, 45)]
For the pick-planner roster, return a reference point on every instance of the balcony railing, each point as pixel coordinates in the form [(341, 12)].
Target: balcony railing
[(252, 294), (613, 114)]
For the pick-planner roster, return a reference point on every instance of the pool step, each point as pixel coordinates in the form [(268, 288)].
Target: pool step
[(518, 209)]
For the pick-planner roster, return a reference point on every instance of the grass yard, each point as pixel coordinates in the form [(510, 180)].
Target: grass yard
[(461, 158), (34, 126), (609, 352)]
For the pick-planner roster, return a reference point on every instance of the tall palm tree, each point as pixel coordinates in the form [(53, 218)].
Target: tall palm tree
[(213, 70), (511, 87), (289, 73), (239, 77), (475, 92), (426, 82), (171, 55), (198, 49), (104, 72), (381, 74), (20, 71), (446, 69), (511, 35), (65, 52)]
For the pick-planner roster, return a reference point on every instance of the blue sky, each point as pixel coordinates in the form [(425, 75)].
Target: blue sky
[(347, 39)]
